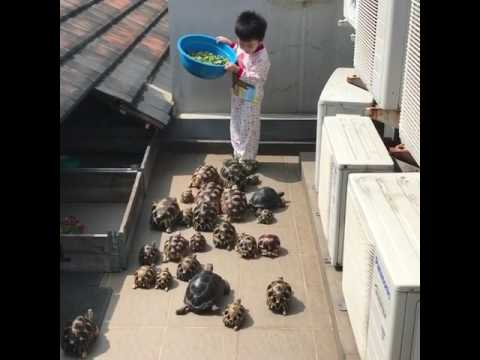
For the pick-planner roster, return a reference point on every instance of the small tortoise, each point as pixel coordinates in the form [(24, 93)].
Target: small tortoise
[(269, 245), (234, 315), (225, 236), (163, 279), (249, 166), (204, 174), (149, 254), (165, 214), (187, 197), (267, 198), (188, 267), (234, 204), (175, 248), (145, 277), (79, 335), (278, 294), (265, 216), (204, 292), (211, 194), (187, 217), (198, 242), (247, 246), (205, 217), (235, 173)]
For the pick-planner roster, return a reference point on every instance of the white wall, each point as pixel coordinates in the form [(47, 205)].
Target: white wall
[(303, 40)]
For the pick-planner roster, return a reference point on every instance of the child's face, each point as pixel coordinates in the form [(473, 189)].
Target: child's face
[(249, 46)]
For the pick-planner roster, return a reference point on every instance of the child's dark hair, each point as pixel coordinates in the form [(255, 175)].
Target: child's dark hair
[(250, 26)]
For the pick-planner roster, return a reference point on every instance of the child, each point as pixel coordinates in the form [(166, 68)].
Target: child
[(249, 76)]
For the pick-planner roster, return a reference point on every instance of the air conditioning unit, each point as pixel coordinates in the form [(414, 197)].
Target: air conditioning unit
[(409, 126), (350, 8), (381, 267), (350, 144), (339, 97), (379, 52)]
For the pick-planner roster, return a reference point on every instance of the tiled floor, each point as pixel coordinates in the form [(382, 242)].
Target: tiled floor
[(141, 324)]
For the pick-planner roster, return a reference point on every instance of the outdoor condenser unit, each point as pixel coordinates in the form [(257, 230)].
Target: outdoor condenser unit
[(349, 144), (410, 114), (379, 53), (339, 97), (381, 268)]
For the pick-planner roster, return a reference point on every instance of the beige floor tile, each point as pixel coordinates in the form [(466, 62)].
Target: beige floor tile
[(276, 344), (311, 270), (127, 343), (199, 344), (325, 344)]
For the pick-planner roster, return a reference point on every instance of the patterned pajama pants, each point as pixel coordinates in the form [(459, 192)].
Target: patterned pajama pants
[(245, 127)]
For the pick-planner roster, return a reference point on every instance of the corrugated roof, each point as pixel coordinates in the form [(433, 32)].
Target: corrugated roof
[(117, 47)]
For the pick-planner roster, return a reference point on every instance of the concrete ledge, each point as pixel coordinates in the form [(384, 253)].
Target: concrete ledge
[(333, 278)]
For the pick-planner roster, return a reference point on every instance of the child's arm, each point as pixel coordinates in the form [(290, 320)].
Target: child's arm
[(223, 39)]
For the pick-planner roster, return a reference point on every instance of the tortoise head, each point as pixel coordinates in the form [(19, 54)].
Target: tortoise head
[(238, 302), (209, 267)]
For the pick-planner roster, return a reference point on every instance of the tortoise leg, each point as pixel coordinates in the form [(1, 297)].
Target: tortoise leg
[(236, 327), (183, 310)]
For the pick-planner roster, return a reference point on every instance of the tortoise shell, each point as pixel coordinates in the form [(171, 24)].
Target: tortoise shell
[(278, 294), (79, 335), (247, 246), (187, 217), (267, 198), (265, 216), (234, 204), (234, 174), (204, 292), (234, 315), (224, 236), (204, 217), (163, 279), (269, 245), (145, 277), (187, 197), (149, 254), (204, 174), (198, 242), (175, 248), (188, 267), (165, 214)]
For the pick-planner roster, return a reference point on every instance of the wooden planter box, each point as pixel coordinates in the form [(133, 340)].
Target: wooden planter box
[(109, 203)]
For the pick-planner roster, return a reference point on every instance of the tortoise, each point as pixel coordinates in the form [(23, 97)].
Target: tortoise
[(204, 174), (79, 335), (163, 279), (145, 277), (187, 197), (234, 315), (188, 267), (265, 216), (267, 198), (205, 216), (149, 254), (210, 193), (204, 292), (269, 245), (165, 214), (175, 248), (235, 173), (278, 294), (234, 204), (247, 246), (187, 217), (249, 166), (224, 236), (198, 242)]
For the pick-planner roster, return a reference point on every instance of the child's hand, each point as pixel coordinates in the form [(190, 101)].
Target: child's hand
[(223, 39), (232, 68)]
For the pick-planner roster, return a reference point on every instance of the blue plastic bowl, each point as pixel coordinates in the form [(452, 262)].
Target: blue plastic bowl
[(190, 43)]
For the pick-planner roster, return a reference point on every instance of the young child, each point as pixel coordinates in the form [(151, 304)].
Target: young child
[(249, 76)]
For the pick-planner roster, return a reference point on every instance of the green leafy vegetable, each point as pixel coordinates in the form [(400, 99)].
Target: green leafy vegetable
[(209, 58)]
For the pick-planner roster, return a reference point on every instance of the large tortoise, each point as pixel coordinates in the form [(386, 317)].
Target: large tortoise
[(266, 198), (204, 292)]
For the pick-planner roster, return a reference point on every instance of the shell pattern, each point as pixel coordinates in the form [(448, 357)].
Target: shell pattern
[(204, 174), (234, 315), (188, 267), (79, 335), (163, 279), (234, 174), (198, 242), (187, 217), (269, 245), (175, 248), (204, 217), (278, 294), (212, 196), (187, 197), (165, 214), (224, 236), (265, 216), (247, 246), (149, 254), (145, 277), (234, 204)]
